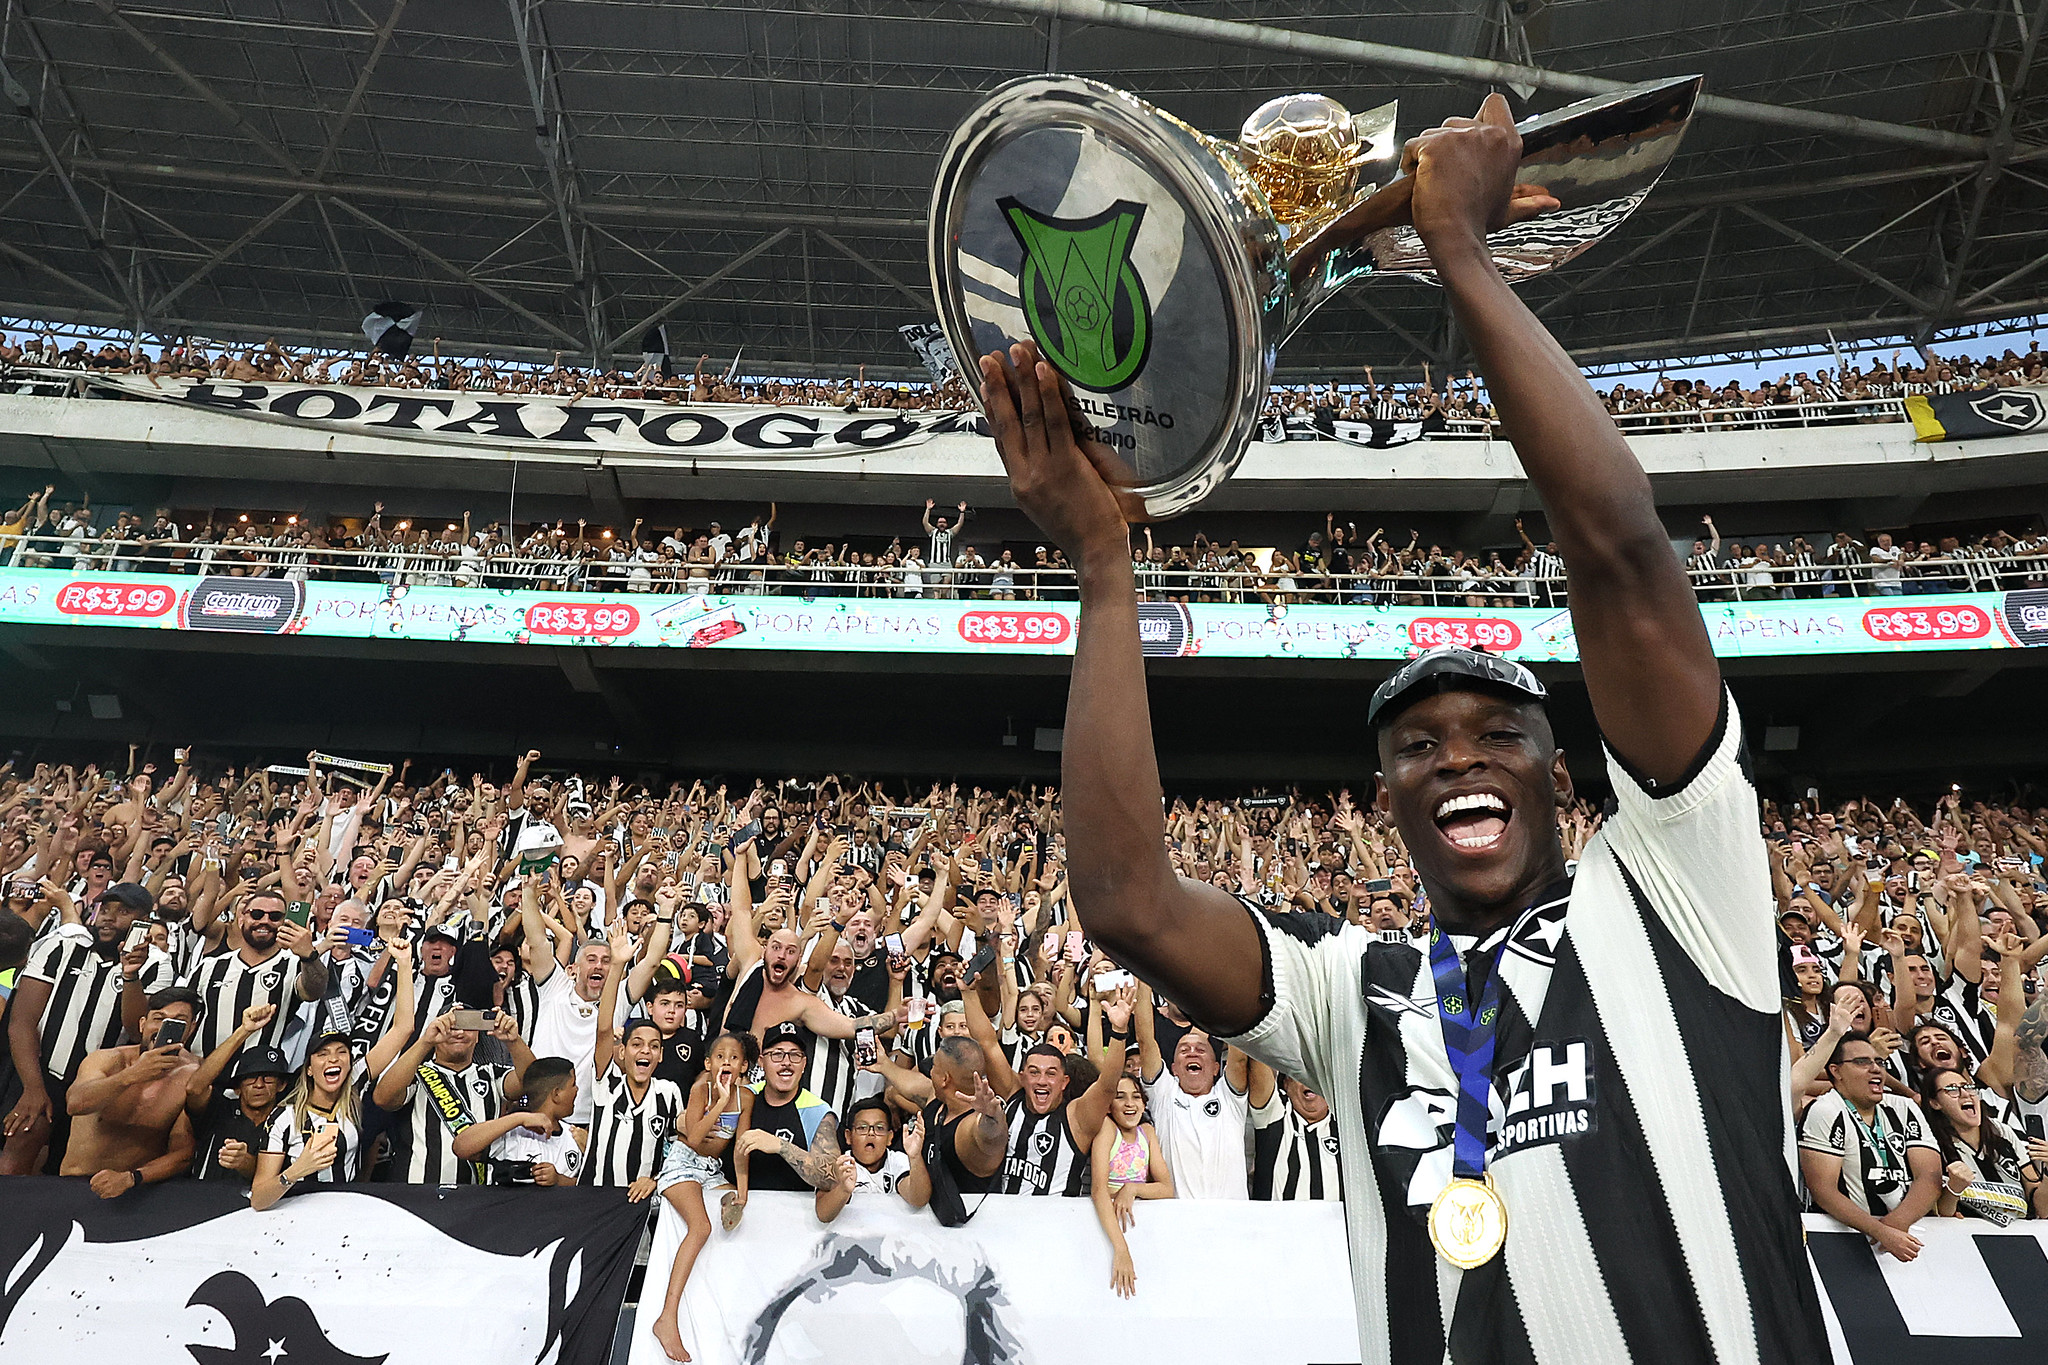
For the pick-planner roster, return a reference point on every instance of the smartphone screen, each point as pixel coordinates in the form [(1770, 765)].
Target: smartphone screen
[(864, 1048), (893, 945), (137, 936)]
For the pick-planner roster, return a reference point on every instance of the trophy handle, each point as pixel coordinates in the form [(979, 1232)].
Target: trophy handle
[(1598, 158)]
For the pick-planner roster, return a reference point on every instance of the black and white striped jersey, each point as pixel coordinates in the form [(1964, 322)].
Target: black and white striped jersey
[(832, 1070), (285, 1135), (522, 1002), (1043, 1157), (432, 997), (426, 1137), (1292, 1159), (187, 947), (84, 1012), (627, 1138), (1639, 1133), (1875, 1168), (1016, 1042), (228, 984), (1959, 1005)]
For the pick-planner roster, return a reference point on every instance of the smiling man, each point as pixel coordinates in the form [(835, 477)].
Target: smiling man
[(1562, 1121)]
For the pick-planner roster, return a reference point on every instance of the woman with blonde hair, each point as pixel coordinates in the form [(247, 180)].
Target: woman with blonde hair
[(315, 1134)]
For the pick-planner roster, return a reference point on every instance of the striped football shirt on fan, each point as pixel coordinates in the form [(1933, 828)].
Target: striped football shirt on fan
[(833, 1070), (284, 1135), (428, 1153), (1293, 1159), (1641, 1141), (1042, 1156), (626, 1139), (84, 1012), (228, 985)]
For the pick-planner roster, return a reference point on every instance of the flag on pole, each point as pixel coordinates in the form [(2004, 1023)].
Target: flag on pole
[(392, 327)]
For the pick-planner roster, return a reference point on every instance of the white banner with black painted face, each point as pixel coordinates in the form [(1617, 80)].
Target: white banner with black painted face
[(513, 421), (184, 1272), (1026, 1280)]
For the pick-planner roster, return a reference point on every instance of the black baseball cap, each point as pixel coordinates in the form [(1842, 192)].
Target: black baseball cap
[(442, 931), (788, 1031), (131, 894), (1449, 668), (326, 1036), (261, 1061)]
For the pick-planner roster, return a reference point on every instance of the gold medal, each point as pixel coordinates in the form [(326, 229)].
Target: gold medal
[(1468, 1222)]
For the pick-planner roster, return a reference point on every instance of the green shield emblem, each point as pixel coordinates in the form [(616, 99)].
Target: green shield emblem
[(1083, 300)]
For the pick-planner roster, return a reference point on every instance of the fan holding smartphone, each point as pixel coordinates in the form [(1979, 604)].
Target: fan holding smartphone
[(129, 1126)]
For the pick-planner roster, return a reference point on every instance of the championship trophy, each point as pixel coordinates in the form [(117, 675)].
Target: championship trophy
[(1160, 269)]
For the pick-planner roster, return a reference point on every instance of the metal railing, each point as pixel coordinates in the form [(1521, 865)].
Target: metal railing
[(1706, 421), (438, 565)]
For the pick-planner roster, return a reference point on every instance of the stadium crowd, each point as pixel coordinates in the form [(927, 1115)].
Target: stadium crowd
[(296, 975), (1824, 395), (1335, 564)]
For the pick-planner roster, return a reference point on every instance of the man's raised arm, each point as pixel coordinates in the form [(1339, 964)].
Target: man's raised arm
[(1650, 670), (1192, 941)]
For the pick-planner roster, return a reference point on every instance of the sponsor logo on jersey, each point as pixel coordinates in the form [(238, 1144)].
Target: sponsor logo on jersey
[(1549, 1096)]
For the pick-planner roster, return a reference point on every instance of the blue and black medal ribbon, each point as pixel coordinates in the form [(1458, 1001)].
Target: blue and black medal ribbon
[(1471, 1028)]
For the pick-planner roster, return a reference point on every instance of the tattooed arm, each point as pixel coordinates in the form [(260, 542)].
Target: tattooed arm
[(818, 1166), (2030, 1063)]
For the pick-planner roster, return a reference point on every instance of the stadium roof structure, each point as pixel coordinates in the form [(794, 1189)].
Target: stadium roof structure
[(559, 174)]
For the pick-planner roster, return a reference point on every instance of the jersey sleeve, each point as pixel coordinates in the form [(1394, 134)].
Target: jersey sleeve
[(1695, 848), (1823, 1129), (1271, 1112), (1308, 966), (45, 960)]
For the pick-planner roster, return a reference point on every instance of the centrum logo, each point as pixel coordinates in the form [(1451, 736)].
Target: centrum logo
[(1083, 299)]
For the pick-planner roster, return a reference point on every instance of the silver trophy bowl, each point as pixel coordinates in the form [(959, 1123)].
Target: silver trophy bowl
[(1160, 269)]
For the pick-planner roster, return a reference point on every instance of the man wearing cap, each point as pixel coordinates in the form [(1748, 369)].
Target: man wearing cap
[(228, 1124), (1563, 1128), (67, 1004), (792, 1138)]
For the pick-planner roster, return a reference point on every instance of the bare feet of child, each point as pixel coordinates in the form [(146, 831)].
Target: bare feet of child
[(671, 1340)]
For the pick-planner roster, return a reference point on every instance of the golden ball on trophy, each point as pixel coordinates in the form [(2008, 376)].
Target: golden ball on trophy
[(1304, 151)]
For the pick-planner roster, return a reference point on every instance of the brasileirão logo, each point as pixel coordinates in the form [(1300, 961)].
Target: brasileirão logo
[(1083, 300)]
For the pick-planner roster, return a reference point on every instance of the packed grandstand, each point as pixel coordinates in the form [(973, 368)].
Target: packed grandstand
[(651, 894)]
